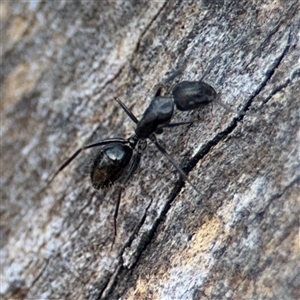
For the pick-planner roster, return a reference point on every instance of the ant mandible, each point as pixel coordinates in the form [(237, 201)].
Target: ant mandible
[(119, 158)]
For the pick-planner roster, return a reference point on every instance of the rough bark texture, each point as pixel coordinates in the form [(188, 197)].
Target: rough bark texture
[(63, 63)]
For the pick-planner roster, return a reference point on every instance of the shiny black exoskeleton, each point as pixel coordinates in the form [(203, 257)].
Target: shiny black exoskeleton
[(119, 158), (109, 164), (114, 163), (190, 95)]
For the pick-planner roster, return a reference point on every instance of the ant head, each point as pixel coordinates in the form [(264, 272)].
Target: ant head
[(190, 95)]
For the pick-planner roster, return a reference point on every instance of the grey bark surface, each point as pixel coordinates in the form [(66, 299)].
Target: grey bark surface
[(63, 64)]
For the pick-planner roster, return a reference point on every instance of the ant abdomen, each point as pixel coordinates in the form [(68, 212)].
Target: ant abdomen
[(189, 95), (109, 164)]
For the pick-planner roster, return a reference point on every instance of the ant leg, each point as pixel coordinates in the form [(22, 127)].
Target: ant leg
[(131, 171), (76, 153), (128, 111), (173, 162), (116, 215), (170, 125)]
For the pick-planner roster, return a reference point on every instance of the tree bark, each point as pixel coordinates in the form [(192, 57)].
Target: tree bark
[(63, 64)]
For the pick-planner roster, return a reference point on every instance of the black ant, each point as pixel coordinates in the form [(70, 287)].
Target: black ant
[(117, 161), (119, 158)]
